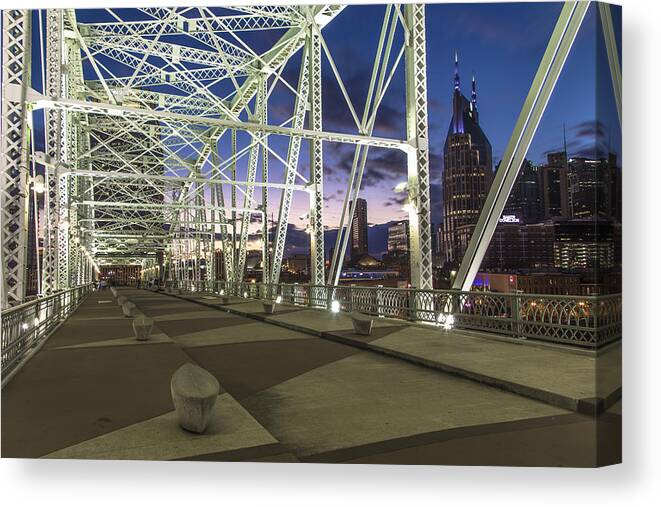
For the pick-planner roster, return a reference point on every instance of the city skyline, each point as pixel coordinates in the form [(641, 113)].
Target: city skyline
[(501, 44)]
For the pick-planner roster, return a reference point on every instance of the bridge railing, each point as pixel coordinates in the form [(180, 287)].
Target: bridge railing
[(26, 326), (583, 321)]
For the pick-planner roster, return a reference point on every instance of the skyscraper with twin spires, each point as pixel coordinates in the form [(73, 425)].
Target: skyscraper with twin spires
[(467, 175)]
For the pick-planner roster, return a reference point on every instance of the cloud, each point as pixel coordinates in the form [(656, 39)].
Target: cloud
[(397, 200), (494, 25), (390, 119), (587, 139), (590, 130), (382, 164)]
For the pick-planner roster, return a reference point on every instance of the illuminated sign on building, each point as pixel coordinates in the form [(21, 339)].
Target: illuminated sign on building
[(509, 219)]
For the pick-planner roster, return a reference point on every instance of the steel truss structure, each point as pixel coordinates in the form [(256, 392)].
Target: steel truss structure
[(149, 116)]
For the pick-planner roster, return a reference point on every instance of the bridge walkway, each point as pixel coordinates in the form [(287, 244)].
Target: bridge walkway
[(94, 392)]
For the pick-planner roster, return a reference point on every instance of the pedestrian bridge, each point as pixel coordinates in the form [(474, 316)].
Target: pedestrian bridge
[(300, 385), (157, 126)]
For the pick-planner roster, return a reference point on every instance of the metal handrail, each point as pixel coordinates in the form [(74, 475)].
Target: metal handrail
[(582, 321), (25, 327)]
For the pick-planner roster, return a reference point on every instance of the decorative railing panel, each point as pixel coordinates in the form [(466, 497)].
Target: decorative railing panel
[(24, 327), (583, 321)]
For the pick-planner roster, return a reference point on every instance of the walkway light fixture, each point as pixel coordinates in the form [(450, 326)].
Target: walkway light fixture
[(335, 306), (445, 320)]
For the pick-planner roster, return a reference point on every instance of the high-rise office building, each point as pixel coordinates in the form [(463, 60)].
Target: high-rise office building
[(467, 175), (587, 244), (359, 228), (555, 186), (398, 238), (434, 241), (591, 187), (517, 246), (525, 200)]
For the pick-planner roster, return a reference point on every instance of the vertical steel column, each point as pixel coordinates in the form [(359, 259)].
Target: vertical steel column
[(80, 144), (418, 158), (67, 187), (15, 149), (234, 275), (542, 86), (84, 189), (300, 106), (54, 124), (220, 203), (253, 158), (317, 261), (72, 207), (198, 215), (264, 88), (63, 228)]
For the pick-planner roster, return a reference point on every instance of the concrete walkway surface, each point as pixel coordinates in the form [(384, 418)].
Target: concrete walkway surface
[(295, 386), (575, 380)]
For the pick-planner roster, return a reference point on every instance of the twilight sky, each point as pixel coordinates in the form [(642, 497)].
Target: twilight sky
[(501, 44)]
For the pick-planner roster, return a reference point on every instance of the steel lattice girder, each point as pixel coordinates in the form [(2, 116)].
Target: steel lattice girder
[(119, 153), (15, 147), (418, 160)]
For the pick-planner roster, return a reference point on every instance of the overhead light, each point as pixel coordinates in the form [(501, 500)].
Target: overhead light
[(38, 184), (400, 187)]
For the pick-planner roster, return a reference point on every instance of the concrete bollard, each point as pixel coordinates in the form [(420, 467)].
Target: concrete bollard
[(362, 324), (269, 306), (194, 393), (121, 300), (142, 327), (224, 300), (129, 309)]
